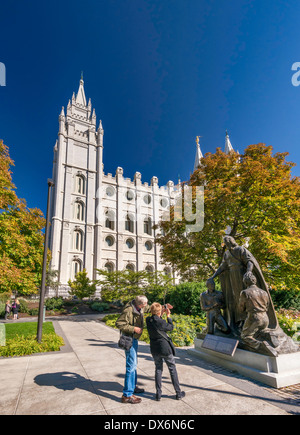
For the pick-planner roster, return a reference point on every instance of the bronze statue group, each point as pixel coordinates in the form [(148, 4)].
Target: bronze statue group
[(242, 310)]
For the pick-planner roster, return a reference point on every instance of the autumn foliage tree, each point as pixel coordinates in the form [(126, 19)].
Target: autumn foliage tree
[(21, 238), (255, 196)]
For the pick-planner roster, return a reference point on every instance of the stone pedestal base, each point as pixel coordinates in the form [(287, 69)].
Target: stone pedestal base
[(278, 372)]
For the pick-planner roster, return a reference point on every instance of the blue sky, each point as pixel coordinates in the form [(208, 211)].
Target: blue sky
[(158, 73)]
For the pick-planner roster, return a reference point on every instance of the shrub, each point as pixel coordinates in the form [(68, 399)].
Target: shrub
[(185, 329), (185, 298), (23, 306), (286, 299), (28, 345), (2, 309), (33, 311), (287, 319), (100, 306), (54, 304)]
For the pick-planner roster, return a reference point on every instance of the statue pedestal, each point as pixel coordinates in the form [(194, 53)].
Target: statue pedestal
[(278, 372)]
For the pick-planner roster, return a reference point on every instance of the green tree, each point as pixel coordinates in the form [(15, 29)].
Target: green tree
[(125, 285), (82, 286), (122, 285), (256, 196), (21, 249), (21, 237), (8, 196)]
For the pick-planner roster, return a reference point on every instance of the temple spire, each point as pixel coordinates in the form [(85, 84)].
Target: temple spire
[(199, 154), (80, 98), (228, 146)]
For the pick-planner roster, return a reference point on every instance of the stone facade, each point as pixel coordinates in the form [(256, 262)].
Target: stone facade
[(99, 220)]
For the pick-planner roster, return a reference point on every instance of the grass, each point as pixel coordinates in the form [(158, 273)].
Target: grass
[(26, 328), (21, 339)]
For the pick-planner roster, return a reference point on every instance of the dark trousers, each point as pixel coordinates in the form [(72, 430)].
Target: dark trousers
[(170, 361)]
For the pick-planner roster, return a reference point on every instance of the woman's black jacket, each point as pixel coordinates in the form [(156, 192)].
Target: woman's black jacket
[(160, 343)]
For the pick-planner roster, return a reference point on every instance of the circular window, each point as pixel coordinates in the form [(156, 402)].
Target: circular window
[(147, 199), (109, 240), (110, 191), (164, 202), (148, 245), (130, 195), (129, 243)]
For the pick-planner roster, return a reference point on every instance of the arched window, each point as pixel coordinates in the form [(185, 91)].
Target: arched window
[(109, 266), (130, 267), (148, 226), (129, 224), (77, 240), (79, 211), (149, 268), (110, 220), (76, 267), (80, 184)]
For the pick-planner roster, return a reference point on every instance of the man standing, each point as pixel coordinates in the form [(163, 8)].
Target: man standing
[(162, 348), (131, 323)]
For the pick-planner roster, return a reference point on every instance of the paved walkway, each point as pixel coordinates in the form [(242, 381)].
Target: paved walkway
[(86, 377)]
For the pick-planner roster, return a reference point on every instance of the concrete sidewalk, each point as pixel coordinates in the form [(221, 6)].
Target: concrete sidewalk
[(86, 378)]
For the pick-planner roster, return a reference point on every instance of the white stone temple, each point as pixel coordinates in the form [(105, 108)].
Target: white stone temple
[(99, 220)]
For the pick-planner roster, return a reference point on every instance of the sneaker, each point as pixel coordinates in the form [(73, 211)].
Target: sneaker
[(138, 390), (180, 395), (131, 399)]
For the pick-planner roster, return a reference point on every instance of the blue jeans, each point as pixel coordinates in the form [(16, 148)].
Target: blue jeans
[(131, 369)]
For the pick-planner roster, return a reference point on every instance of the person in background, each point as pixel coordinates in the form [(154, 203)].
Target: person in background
[(162, 347), (15, 308), (7, 309)]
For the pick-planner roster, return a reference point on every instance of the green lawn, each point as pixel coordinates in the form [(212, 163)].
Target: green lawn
[(21, 339), (26, 329)]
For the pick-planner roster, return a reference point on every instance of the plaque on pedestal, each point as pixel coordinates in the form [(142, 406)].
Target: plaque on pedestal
[(220, 344)]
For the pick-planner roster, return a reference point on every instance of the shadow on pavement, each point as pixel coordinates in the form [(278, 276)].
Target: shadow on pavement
[(69, 381)]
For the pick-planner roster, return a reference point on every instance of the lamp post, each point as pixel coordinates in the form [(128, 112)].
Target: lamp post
[(43, 285)]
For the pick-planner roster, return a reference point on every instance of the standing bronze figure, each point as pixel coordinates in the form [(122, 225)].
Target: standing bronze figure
[(238, 261)]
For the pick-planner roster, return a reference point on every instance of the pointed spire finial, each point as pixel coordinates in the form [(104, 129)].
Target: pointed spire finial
[(228, 146), (80, 98), (199, 154), (62, 113)]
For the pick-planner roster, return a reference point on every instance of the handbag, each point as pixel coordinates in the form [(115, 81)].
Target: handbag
[(125, 341)]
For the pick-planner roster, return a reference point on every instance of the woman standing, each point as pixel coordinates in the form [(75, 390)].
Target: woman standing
[(15, 309), (162, 348)]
